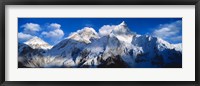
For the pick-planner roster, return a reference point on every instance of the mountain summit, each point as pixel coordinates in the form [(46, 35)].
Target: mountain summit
[(123, 23), (38, 43), (121, 29), (84, 35)]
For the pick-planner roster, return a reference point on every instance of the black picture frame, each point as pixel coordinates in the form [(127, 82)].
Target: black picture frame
[(98, 2)]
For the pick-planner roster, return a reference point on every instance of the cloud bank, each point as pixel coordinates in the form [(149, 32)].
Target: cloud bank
[(55, 33), (31, 28), (52, 32), (24, 37), (106, 30), (170, 32)]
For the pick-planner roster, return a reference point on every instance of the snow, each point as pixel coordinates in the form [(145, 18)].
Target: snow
[(121, 29), (123, 23), (125, 38), (38, 43), (106, 30), (84, 35), (177, 47)]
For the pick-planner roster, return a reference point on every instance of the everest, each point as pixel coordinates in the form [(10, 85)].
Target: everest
[(115, 47)]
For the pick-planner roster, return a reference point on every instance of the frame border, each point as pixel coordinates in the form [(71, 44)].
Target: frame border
[(3, 3)]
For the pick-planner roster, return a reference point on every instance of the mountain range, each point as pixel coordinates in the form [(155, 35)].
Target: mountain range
[(85, 48)]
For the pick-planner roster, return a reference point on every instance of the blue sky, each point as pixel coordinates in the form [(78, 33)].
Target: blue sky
[(53, 30)]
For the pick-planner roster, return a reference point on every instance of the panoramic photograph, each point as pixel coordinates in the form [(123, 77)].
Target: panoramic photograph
[(99, 42)]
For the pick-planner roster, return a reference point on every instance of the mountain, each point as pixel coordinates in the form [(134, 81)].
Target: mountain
[(111, 46), (30, 50), (128, 49), (118, 48), (156, 52), (38, 43), (178, 47), (24, 50), (84, 35)]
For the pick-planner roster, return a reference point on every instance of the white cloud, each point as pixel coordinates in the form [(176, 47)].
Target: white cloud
[(31, 28), (54, 26), (169, 32), (55, 34), (106, 29), (24, 37)]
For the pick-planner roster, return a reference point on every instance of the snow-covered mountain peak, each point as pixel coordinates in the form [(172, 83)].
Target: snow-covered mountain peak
[(84, 35), (35, 40), (123, 33), (162, 44), (37, 43), (177, 47), (151, 41), (123, 23), (122, 29), (86, 30)]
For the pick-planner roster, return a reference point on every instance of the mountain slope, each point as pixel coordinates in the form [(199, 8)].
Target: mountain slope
[(178, 47), (156, 53)]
